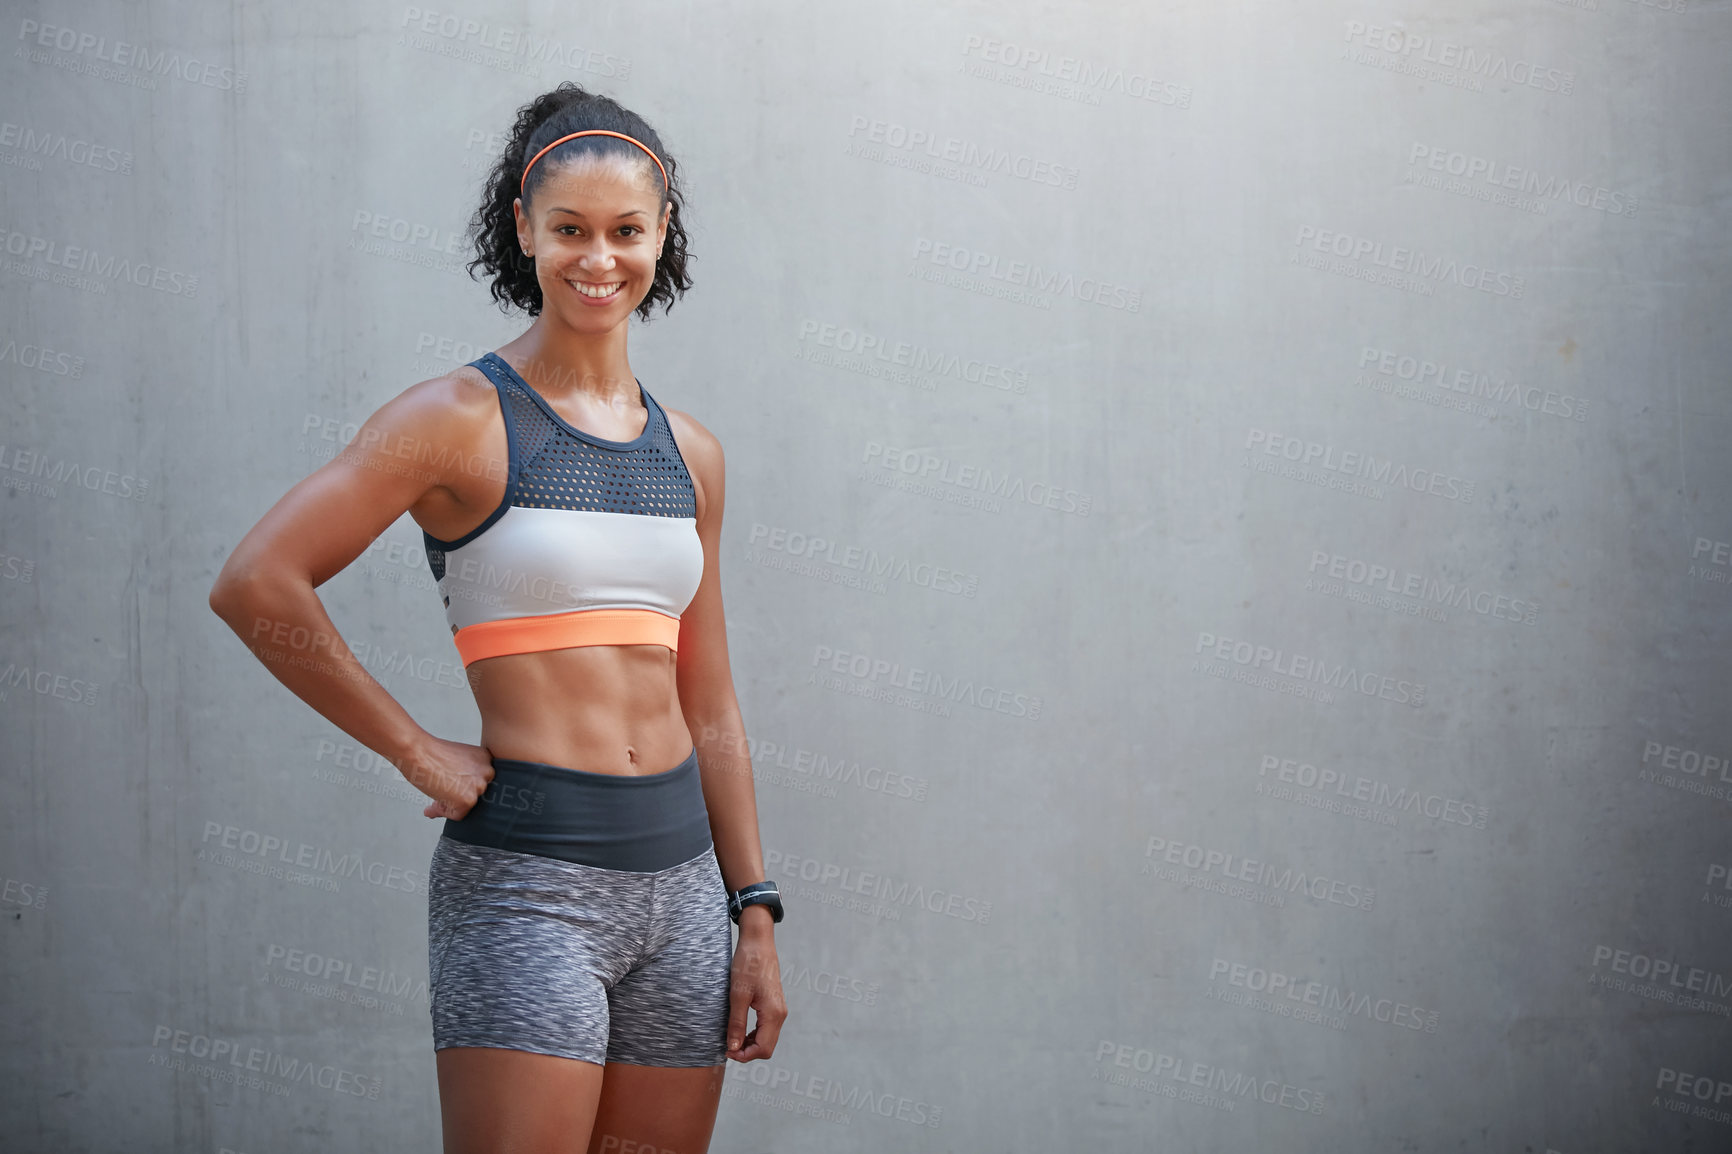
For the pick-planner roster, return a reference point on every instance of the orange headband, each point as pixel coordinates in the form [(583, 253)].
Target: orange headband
[(593, 132)]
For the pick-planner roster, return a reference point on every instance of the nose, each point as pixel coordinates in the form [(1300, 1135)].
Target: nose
[(598, 257)]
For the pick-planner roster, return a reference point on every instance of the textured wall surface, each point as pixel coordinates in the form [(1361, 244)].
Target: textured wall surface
[(1228, 558)]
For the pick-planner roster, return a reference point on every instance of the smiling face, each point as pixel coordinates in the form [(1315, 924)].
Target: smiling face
[(595, 231)]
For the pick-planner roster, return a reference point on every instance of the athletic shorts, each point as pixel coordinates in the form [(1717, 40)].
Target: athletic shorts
[(581, 915)]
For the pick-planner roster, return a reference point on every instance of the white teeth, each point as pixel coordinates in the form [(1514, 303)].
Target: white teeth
[(590, 291)]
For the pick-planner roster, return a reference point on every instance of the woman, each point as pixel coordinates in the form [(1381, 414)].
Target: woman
[(584, 985)]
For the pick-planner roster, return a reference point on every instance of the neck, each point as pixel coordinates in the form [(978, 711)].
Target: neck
[(557, 359)]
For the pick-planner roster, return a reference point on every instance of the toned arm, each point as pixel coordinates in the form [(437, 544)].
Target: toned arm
[(706, 683), (406, 456), (706, 691)]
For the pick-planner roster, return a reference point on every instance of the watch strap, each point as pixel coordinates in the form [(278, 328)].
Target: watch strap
[(758, 893)]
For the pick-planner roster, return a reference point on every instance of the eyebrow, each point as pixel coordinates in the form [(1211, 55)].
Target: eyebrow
[(574, 212)]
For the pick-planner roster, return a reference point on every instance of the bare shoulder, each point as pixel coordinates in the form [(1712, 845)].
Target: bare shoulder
[(456, 412), (455, 399), (697, 444), (702, 453), (445, 431)]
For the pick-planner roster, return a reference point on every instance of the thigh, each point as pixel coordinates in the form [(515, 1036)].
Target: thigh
[(671, 1008), (494, 1101), (656, 1109), (521, 950)]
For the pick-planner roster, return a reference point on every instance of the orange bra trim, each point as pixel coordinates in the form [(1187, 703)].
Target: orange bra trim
[(567, 631)]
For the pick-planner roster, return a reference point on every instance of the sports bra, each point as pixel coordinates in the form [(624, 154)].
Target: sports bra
[(595, 542)]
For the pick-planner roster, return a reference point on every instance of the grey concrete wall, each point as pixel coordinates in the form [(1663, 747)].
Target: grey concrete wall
[(1227, 559)]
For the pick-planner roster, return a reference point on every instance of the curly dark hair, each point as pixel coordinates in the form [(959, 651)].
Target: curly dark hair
[(493, 229)]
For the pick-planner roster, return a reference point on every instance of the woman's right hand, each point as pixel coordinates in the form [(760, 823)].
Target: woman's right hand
[(454, 774)]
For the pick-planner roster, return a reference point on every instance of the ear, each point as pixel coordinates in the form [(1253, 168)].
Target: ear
[(524, 232)]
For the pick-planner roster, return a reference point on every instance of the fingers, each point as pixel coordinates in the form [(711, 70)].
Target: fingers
[(769, 1026), (760, 1041), (752, 1051), (739, 998)]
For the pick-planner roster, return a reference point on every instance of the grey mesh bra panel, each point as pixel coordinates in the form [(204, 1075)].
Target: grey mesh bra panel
[(555, 466)]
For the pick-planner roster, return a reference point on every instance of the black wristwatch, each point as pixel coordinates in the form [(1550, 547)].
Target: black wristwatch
[(756, 894)]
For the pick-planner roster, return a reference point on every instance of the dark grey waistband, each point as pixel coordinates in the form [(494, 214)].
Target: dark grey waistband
[(644, 822)]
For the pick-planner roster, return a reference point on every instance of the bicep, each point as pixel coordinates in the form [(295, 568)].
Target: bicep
[(328, 519)]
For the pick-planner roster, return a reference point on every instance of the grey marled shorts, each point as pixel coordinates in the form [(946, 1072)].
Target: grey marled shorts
[(553, 948), (555, 957)]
